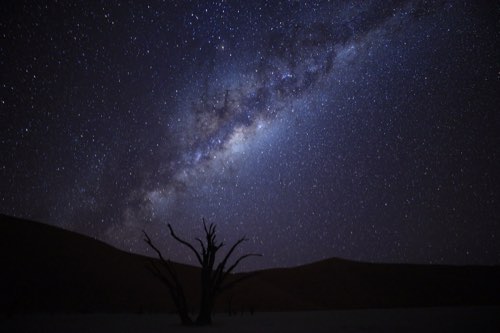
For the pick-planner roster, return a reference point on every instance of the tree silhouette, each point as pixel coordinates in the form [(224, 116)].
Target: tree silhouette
[(213, 278)]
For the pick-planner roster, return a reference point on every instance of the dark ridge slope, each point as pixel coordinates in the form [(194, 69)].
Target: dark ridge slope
[(47, 269)]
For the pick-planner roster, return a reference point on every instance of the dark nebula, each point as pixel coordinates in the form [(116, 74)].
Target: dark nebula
[(365, 130)]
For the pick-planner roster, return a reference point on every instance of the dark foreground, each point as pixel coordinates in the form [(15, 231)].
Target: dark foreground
[(463, 319)]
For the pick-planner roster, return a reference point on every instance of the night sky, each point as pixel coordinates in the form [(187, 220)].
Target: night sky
[(364, 130)]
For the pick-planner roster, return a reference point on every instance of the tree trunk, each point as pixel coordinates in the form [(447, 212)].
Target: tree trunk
[(206, 300), (205, 315)]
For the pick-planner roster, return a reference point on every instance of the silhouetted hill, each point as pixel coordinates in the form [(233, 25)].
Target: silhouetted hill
[(47, 269), (342, 284)]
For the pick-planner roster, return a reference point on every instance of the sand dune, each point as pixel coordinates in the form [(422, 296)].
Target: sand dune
[(50, 270)]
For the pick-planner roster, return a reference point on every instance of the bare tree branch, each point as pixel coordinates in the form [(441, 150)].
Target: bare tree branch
[(223, 263), (165, 262), (185, 243), (204, 225), (236, 263), (203, 250), (175, 287), (156, 272), (150, 243)]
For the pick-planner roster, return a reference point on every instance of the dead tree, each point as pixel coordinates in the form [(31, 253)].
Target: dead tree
[(213, 278)]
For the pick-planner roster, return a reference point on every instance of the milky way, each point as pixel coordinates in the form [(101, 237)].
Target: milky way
[(358, 129)]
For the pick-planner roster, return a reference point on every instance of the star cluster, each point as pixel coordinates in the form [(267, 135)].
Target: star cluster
[(365, 130)]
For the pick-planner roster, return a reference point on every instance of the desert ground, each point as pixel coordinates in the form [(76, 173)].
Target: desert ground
[(443, 319)]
